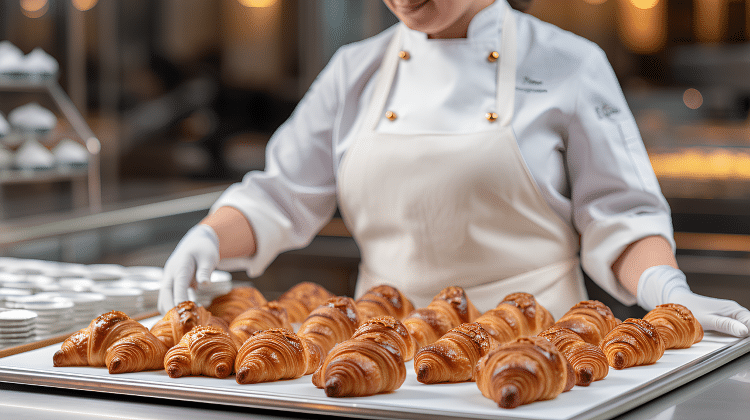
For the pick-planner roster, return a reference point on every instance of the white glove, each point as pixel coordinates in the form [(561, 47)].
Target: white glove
[(664, 284), (194, 258)]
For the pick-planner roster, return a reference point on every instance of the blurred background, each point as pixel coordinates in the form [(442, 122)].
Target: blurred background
[(181, 96)]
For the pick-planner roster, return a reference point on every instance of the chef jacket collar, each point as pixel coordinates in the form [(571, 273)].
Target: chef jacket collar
[(486, 24)]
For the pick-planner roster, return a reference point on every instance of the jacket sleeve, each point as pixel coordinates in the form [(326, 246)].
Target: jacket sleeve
[(615, 194), (294, 197)]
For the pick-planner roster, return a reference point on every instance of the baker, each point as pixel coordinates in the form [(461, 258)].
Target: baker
[(470, 144)]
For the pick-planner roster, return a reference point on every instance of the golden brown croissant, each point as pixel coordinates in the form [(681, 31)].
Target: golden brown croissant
[(274, 354), (369, 363), (590, 319), (588, 360), (114, 340), (237, 301), (384, 300), (265, 317), (302, 299), (449, 309), (676, 325), (207, 351), (634, 342), (537, 316), (518, 315), (183, 318), (452, 358), (331, 323), (523, 371)]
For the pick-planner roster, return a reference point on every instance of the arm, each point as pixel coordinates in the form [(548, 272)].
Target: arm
[(270, 211), (236, 236), (647, 252), (616, 206)]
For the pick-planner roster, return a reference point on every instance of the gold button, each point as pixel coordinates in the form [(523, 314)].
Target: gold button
[(404, 55), (491, 116), (390, 115), (494, 55)]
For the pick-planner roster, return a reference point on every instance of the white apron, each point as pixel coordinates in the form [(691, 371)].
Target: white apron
[(430, 211)]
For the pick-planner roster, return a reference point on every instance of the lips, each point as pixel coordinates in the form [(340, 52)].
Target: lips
[(409, 5)]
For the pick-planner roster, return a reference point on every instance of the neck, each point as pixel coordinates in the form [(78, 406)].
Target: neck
[(460, 28)]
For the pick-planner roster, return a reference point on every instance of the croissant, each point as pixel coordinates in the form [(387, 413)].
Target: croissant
[(207, 351), (331, 323), (449, 309), (635, 342), (588, 360), (114, 340), (369, 363), (676, 325), (523, 371), (302, 299), (274, 354), (517, 315), (537, 316), (265, 317), (452, 358), (590, 319), (384, 300), (183, 318), (237, 301)]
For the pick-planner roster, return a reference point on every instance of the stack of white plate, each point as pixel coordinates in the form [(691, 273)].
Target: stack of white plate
[(7, 279), (116, 270), (154, 273), (103, 276), (220, 284), (123, 299), (17, 326), (33, 282), (87, 305), (147, 285), (6, 292), (54, 315), (76, 284)]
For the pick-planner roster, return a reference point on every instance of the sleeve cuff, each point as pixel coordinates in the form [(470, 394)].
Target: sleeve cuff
[(604, 241)]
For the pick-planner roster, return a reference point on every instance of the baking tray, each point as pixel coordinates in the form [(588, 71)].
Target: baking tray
[(619, 392)]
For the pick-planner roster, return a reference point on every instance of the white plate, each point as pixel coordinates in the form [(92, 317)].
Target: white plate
[(17, 336), (16, 316), (17, 330), (40, 304), (80, 299), (11, 291), (150, 272), (77, 284)]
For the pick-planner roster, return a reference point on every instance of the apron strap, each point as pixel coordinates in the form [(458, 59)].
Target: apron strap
[(386, 73), (506, 73)]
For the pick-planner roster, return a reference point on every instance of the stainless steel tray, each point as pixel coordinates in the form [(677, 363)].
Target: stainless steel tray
[(616, 394)]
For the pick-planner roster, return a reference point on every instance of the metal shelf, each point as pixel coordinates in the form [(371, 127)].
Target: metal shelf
[(65, 107)]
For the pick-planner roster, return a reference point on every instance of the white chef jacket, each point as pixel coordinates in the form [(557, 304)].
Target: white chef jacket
[(575, 131)]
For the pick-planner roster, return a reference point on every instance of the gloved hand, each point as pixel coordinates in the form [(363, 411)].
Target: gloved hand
[(664, 284), (194, 258)]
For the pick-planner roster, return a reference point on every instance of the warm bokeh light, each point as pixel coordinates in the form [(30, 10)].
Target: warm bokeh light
[(703, 164), (34, 8), (84, 5), (257, 3), (692, 98), (710, 20), (595, 1), (644, 25), (644, 4)]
